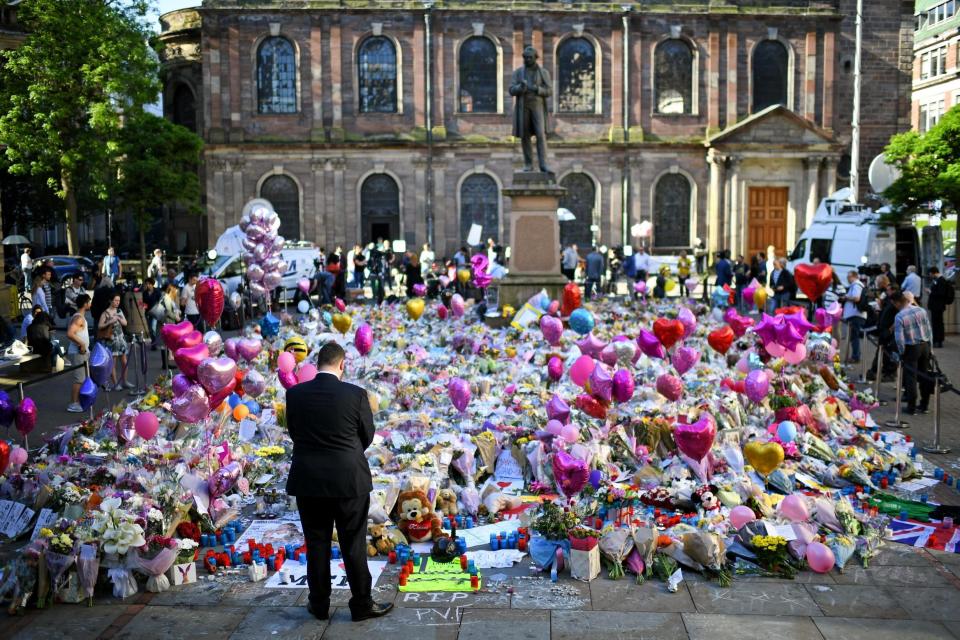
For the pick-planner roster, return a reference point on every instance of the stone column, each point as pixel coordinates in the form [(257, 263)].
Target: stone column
[(715, 200), (316, 85), (731, 79), (416, 222), (829, 78), (830, 175), (810, 77), (442, 209), (314, 229), (236, 167), (811, 169), (636, 182), (215, 204), (736, 217), (713, 81), (344, 233), (337, 132)]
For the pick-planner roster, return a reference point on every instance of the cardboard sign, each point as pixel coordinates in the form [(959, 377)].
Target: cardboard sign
[(338, 576)]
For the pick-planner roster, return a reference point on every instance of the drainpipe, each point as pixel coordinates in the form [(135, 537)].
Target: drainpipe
[(625, 177), (855, 141), (428, 75)]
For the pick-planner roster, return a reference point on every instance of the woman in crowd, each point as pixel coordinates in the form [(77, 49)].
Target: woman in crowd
[(413, 272), (110, 332), (683, 272)]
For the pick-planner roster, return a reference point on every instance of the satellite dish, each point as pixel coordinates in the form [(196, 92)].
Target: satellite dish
[(565, 215), (882, 174)]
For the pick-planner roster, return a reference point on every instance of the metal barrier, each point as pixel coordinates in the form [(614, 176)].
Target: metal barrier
[(897, 423)]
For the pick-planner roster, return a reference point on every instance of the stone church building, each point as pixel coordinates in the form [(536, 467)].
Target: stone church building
[(718, 121)]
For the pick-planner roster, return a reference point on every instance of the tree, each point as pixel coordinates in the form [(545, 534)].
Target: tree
[(158, 165), (66, 88), (929, 165)]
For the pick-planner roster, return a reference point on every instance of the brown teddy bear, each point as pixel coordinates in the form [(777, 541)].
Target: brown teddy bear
[(447, 503), (416, 520), (380, 542)]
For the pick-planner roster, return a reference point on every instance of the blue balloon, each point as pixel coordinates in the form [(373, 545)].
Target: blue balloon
[(269, 325), (101, 364), (544, 303), (88, 394), (581, 321), (303, 306), (327, 319), (233, 400), (254, 407), (787, 431), (6, 409), (720, 298)]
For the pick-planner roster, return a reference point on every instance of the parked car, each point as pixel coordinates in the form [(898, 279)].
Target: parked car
[(64, 266)]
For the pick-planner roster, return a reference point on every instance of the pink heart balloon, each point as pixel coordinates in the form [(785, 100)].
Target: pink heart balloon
[(190, 339), (591, 346), (696, 439), (650, 344), (608, 355), (570, 474), (623, 385), (188, 359), (230, 347), (557, 409), (684, 359), (363, 340), (171, 333), (459, 392), (180, 384), (217, 397), (552, 329), (248, 348), (670, 387), (457, 305), (193, 406), (688, 320), (223, 479), (215, 373), (287, 378)]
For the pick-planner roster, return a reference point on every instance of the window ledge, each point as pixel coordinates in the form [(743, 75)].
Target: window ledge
[(932, 82), (479, 114), (570, 114), (657, 114)]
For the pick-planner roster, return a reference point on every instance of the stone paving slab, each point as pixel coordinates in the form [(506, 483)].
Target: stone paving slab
[(929, 603), (487, 624), (616, 625), (281, 622), (755, 599), (425, 624), (893, 575), (651, 596), (868, 629), (545, 595), (65, 622), (738, 627), (209, 623), (855, 601)]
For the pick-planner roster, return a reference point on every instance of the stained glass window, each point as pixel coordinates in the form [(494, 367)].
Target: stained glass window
[(283, 194), (673, 77), (671, 211), (377, 75), (770, 61), (576, 76), (480, 204), (184, 108), (580, 199), (276, 76), (478, 76)]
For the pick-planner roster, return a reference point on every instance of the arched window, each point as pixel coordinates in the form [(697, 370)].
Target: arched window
[(671, 211), (770, 62), (580, 199), (276, 76), (480, 204), (377, 75), (576, 76), (282, 192), (184, 108), (379, 208), (478, 75), (673, 77)]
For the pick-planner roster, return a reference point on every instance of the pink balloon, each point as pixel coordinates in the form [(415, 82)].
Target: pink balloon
[(688, 320), (287, 378), (820, 557), (554, 307), (441, 312), (797, 355), (286, 362), (146, 424), (591, 346), (795, 508), (554, 427), (193, 406), (671, 387), (190, 339), (555, 368), (223, 479), (601, 383), (230, 347), (340, 305), (552, 329), (304, 285), (307, 372), (608, 355), (457, 305), (741, 515), (248, 348), (650, 344), (216, 373), (180, 384), (569, 473), (171, 333), (685, 358), (774, 349), (188, 359), (216, 398), (18, 455), (570, 433), (557, 409), (757, 385), (623, 385), (363, 339), (459, 392), (581, 370), (696, 439)]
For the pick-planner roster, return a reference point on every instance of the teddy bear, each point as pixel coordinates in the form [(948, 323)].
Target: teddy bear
[(447, 503), (415, 518), (380, 542)]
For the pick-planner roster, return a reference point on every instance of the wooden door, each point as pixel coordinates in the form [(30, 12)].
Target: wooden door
[(767, 219)]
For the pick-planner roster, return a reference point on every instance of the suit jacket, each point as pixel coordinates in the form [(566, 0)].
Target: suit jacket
[(331, 425), (544, 90), (786, 281)]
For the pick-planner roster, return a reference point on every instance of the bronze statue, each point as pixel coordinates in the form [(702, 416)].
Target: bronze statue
[(531, 86)]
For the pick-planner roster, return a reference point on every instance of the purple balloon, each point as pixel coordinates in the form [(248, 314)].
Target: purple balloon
[(254, 383), (688, 320), (591, 346), (557, 409), (363, 339), (248, 348), (26, 416), (272, 280), (608, 355), (287, 378), (623, 385), (684, 359), (552, 329), (216, 373), (255, 272), (671, 387), (555, 368), (570, 474), (223, 479), (601, 383), (459, 391), (596, 478), (126, 425), (230, 347), (7, 409), (192, 406), (650, 344), (757, 385), (180, 384)]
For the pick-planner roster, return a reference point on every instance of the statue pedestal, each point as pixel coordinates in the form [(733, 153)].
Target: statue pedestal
[(534, 239)]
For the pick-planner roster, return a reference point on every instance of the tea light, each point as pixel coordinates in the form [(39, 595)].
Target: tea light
[(474, 581), (463, 563)]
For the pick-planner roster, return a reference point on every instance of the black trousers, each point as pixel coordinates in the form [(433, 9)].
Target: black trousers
[(569, 273), (318, 515), (916, 357), (936, 323)]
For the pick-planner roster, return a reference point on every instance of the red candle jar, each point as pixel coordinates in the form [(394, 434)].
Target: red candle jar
[(391, 557), (251, 543), (522, 543), (403, 579), (883, 483), (463, 562), (474, 581)]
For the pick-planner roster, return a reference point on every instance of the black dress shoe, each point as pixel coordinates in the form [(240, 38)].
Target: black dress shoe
[(318, 612), (923, 410), (376, 610)]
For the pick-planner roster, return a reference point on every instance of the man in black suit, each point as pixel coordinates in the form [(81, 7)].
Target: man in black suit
[(331, 425)]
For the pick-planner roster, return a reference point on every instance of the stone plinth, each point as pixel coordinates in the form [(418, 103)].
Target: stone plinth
[(534, 238)]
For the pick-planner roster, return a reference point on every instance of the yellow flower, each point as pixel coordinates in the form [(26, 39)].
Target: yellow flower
[(46, 533)]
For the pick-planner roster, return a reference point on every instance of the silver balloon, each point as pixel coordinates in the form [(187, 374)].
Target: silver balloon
[(314, 314), (255, 232), (248, 244), (272, 279), (235, 299), (255, 273), (214, 343), (257, 289), (282, 266), (250, 330), (244, 222), (248, 258), (271, 263)]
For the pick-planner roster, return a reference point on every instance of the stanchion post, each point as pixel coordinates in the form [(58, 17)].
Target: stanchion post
[(86, 368), (897, 423), (878, 372), (863, 361), (935, 446)]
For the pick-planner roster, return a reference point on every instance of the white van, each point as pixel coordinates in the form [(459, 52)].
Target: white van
[(848, 236)]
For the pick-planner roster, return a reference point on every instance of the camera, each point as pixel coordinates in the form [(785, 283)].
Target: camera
[(870, 270)]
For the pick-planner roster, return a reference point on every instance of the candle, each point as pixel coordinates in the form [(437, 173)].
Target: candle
[(469, 522), (494, 542), (474, 581), (403, 579), (270, 563), (392, 557), (463, 563)]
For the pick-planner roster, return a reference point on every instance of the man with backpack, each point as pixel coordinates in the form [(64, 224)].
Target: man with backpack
[(940, 295)]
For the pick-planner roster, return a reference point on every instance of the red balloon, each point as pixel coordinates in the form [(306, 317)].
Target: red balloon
[(668, 331), (591, 406), (813, 279), (4, 455), (721, 339), (209, 294), (786, 311), (571, 299)]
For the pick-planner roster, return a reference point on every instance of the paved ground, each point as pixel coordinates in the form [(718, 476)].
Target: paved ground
[(906, 593)]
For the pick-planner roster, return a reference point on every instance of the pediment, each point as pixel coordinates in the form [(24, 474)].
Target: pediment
[(775, 125)]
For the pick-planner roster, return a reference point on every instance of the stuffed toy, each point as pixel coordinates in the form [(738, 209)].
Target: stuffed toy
[(380, 542), (447, 503), (416, 520), (706, 497), (378, 506)]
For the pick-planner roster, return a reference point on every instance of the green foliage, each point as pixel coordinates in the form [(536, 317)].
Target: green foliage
[(83, 64), (929, 164)]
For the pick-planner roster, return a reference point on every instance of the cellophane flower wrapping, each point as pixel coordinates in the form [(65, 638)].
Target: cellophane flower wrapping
[(124, 584), (645, 542), (155, 568), (843, 547), (88, 566), (58, 563), (615, 544)]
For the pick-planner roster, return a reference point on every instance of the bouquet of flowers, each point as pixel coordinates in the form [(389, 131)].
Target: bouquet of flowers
[(189, 530), (153, 559), (583, 538), (60, 555), (616, 544), (186, 550), (554, 522), (88, 566), (709, 550), (772, 555), (271, 452)]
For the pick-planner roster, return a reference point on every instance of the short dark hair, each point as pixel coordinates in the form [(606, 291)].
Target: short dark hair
[(149, 281), (933, 271), (897, 298), (330, 354), (82, 300)]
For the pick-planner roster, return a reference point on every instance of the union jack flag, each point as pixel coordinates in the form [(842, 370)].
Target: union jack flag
[(930, 536)]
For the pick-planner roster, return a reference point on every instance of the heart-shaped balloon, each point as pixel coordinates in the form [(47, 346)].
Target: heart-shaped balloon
[(287, 378), (26, 416), (571, 299), (190, 339), (217, 397), (757, 385), (249, 348), (552, 329), (623, 385), (363, 339), (127, 424), (668, 331), (230, 348), (459, 391), (172, 333), (592, 406), (414, 308), (721, 339), (813, 279), (738, 323), (608, 355), (457, 305), (254, 383), (4, 455), (223, 479), (688, 320), (765, 457), (193, 406), (342, 322), (650, 344), (214, 342), (671, 387), (179, 384), (695, 439), (570, 473), (210, 299), (557, 409), (601, 383), (626, 351), (215, 373), (685, 358), (188, 359)]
